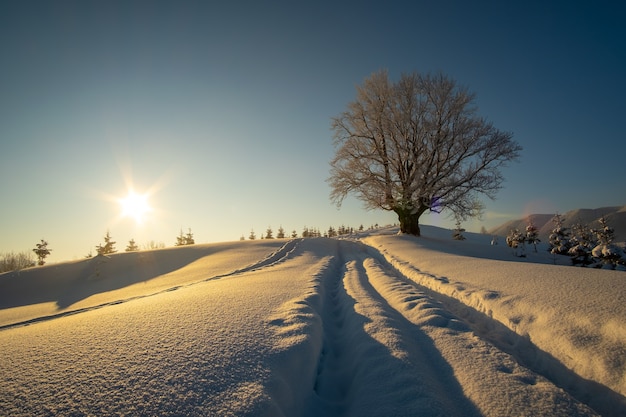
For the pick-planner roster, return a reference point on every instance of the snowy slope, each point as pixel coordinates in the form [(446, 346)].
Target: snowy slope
[(379, 325), (59, 289)]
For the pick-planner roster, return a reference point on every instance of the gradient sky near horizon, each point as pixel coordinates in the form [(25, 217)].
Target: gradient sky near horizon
[(221, 111)]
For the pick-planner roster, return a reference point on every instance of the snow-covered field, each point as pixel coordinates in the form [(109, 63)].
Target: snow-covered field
[(372, 325)]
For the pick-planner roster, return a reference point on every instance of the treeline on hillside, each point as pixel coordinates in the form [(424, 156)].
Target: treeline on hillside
[(109, 244), (13, 261), (306, 232)]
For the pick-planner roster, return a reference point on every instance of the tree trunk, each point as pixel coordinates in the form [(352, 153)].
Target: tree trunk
[(409, 221)]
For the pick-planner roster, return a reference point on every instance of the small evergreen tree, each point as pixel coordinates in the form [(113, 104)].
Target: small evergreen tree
[(269, 233), (605, 251), (306, 232), (458, 231), (294, 234), (184, 239), (281, 233), (331, 232), (180, 239), (252, 235), (108, 247), (189, 240), (132, 246), (42, 251), (532, 234), (559, 239)]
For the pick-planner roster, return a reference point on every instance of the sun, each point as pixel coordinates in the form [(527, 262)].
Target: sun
[(135, 206)]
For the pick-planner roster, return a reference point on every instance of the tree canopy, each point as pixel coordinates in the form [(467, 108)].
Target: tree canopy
[(417, 145)]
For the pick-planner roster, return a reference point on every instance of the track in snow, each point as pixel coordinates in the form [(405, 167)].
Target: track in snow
[(366, 343), (391, 348)]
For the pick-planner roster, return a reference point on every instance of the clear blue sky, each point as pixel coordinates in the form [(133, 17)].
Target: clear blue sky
[(221, 110)]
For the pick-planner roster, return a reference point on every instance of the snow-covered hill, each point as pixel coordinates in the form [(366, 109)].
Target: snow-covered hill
[(376, 324), (615, 216)]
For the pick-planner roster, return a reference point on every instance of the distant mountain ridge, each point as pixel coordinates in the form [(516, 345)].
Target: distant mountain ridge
[(615, 216)]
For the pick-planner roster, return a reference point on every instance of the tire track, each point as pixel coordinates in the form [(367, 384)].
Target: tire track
[(367, 342), (392, 348)]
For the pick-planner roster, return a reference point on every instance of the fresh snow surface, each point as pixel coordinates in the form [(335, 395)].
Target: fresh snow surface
[(377, 324)]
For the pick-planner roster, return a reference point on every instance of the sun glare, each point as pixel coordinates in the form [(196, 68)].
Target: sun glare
[(135, 206)]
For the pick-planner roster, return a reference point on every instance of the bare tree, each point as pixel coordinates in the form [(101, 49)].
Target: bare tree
[(417, 145), (151, 245), (12, 261)]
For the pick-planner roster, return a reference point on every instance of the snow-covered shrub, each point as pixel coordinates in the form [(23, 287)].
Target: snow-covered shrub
[(608, 255), (582, 243), (516, 239)]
